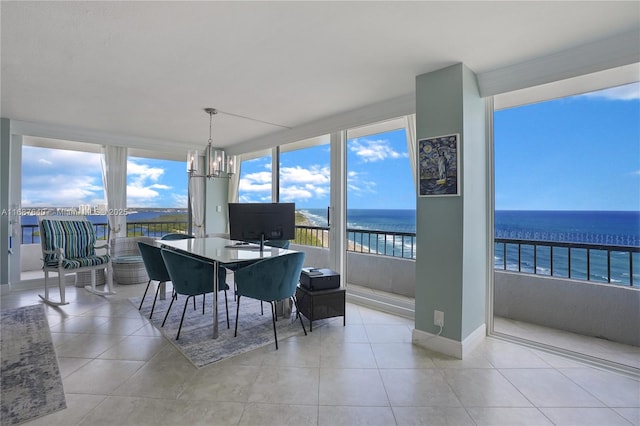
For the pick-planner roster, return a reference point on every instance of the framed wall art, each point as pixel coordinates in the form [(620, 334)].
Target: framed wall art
[(439, 166)]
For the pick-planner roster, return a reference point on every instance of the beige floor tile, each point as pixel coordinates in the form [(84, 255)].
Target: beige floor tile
[(79, 324), (353, 333), (100, 376), (69, 365), (613, 389), (418, 388), (158, 380), (347, 355), (549, 388), (279, 415), (359, 387), (432, 416), (506, 355), (160, 412), (87, 345), (476, 359), (484, 388), (495, 416), (401, 355), (355, 416), (584, 417), (135, 348), (121, 326), (388, 333), (292, 353), (631, 414), (78, 406), (221, 383), (282, 385)]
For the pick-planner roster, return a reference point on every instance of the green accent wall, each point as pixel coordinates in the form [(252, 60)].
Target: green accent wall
[(451, 230)]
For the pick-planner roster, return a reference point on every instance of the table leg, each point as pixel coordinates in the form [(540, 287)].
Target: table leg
[(216, 265), (163, 290)]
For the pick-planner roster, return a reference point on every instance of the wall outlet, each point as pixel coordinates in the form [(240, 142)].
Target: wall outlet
[(438, 318)]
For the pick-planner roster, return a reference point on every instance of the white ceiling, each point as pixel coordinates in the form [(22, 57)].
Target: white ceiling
[(147, 69)]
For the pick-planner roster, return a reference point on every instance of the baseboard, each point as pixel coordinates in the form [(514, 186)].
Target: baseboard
[(448, 346), (380, 301)]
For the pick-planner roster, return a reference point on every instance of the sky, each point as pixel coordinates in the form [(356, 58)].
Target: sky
[(575, 153)]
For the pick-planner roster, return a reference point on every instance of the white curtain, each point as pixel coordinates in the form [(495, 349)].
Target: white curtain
[(114, 180), (411, 144), (196, 194), (234, 181)]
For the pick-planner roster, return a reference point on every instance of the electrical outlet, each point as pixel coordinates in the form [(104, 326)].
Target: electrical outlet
[(438, 318)]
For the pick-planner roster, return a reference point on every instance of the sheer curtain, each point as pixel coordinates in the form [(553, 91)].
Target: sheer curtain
[(114, 180), (411, 143), (196, 194)]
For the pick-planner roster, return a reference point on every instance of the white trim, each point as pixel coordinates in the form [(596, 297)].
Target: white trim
[(559, 89), (589, 58), (448, 346), (78, 134), (381, 301)]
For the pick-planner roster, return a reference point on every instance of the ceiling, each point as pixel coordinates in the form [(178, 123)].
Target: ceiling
[(146, 70)]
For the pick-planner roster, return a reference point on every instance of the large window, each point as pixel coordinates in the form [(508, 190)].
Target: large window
[(305, 174), (255, 179), (567, 206), (381, 200)]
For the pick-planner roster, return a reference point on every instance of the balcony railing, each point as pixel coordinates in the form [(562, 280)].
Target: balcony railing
[(384, 243), (590, 262), (31, 234)]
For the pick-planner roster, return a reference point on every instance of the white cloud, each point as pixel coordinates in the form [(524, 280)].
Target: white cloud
[(628, 92), (370, 151), (143, 189), (314, 174), (70, 191), (358, 184)]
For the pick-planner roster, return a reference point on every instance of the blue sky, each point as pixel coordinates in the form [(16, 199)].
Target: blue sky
[(576, 153)]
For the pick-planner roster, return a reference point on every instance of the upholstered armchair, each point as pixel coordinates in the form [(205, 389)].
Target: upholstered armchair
[(270, 280)]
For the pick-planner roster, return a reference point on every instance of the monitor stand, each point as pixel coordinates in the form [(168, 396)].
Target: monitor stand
[(261, 243)]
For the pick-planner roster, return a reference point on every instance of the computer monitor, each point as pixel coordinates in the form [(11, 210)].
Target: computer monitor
[(262, 221)]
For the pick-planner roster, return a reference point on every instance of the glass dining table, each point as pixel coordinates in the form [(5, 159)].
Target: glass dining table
[(219, 251)]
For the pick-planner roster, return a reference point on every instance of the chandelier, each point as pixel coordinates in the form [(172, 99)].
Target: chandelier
[(217, 164)]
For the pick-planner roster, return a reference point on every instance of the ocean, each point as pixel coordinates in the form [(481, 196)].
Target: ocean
[(591, 227)]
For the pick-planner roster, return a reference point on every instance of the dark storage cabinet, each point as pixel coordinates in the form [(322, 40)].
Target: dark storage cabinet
[(321, 304)]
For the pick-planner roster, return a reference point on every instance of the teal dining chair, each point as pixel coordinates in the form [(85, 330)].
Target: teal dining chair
[(156, 270), (270, 280), (191, 277)]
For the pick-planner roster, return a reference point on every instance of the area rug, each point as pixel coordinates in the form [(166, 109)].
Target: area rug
[(30, 380), (196, 337)]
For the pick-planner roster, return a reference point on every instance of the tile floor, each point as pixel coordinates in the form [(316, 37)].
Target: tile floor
[(118, 370)]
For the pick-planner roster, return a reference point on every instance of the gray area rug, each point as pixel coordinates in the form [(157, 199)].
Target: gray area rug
[(196, 337), (31, 385)]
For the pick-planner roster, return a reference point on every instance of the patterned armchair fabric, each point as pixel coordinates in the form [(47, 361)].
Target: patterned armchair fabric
[(69, 247), (70, 244)]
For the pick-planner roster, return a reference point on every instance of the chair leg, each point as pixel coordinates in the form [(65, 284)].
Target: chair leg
[(155, 299), (203, 297), (145, 295), (273, 320), (295, 302), (226, 305), (173, 297), (261, 308), (235, 334), (194, 303), (186, 302)]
